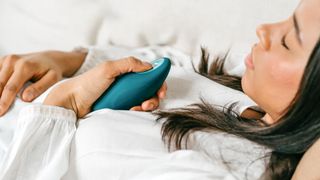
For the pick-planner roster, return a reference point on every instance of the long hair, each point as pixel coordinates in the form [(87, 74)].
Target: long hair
[(288, 139)]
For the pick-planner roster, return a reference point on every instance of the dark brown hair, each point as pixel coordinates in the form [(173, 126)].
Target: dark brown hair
[(289, 138)]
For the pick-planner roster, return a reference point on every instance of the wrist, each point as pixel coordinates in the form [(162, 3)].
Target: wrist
[(75, 60), (65, 100), (67, 62)]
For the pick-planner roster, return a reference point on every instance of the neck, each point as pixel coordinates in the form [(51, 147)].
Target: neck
[(268, 119)]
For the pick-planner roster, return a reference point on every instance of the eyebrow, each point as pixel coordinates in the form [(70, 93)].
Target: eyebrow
[(297, 29)]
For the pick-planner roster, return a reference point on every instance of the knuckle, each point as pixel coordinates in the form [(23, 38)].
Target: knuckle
[(11, 88), (107, 69), (24, 65), (132, 60), (34, 90), (11, 59), (56, 76)]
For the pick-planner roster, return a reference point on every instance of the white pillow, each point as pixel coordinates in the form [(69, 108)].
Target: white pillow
[(187, 25), (31, 25)]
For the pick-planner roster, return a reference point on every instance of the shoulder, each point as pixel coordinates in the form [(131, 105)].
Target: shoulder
[(309, 165)]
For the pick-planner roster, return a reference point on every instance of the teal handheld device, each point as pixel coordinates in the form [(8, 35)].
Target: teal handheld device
[(133, 88)]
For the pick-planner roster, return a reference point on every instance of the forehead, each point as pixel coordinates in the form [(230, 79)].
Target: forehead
[(308, 17)]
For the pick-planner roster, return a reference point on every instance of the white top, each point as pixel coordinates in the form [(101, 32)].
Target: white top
[(123, 144), (40, 145)]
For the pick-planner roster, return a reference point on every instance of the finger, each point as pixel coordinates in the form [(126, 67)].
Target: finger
[(5, 74), (37, 88), (11, 89), (1, 62), (150, 104), (162, 91), (136, 108), (129, 64)]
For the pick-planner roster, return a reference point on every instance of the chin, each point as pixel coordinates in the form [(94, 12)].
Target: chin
[(244, 83)]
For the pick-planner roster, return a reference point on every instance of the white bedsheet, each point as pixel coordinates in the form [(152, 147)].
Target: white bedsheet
[(127, 145)]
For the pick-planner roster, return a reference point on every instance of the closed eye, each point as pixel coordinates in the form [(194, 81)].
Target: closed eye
[(283, 42)]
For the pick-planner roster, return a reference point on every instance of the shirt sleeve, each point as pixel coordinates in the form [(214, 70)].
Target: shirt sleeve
[(41, 144)]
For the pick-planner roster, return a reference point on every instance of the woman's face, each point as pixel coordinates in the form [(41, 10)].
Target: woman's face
[(276, 64)]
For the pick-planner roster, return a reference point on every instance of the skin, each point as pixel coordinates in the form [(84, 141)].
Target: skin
[(42, 68), (45, 69), (273, 76)]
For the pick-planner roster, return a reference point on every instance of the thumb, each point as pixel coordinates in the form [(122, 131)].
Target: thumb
[(130, 64)]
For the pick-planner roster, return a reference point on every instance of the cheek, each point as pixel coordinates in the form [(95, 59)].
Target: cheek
[(283, 76), (273, 83)]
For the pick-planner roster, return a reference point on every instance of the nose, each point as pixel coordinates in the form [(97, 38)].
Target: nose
[(263, 33)]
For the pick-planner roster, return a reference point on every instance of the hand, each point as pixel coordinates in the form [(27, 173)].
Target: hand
[(153, 103), (44, 69), (79, 93)]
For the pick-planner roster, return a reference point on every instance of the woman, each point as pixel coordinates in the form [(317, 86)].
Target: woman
[(282, 77)]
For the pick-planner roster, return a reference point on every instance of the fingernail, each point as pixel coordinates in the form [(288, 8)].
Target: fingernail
[(147, 64), (162, 95), (28, 96)]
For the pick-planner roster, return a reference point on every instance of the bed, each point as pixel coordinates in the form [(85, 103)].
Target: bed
[(127, 145)]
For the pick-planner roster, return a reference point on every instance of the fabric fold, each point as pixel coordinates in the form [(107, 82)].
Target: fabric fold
[(41, 144)]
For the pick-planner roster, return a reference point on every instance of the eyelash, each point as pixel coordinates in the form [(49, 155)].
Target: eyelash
[(283, 42)]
